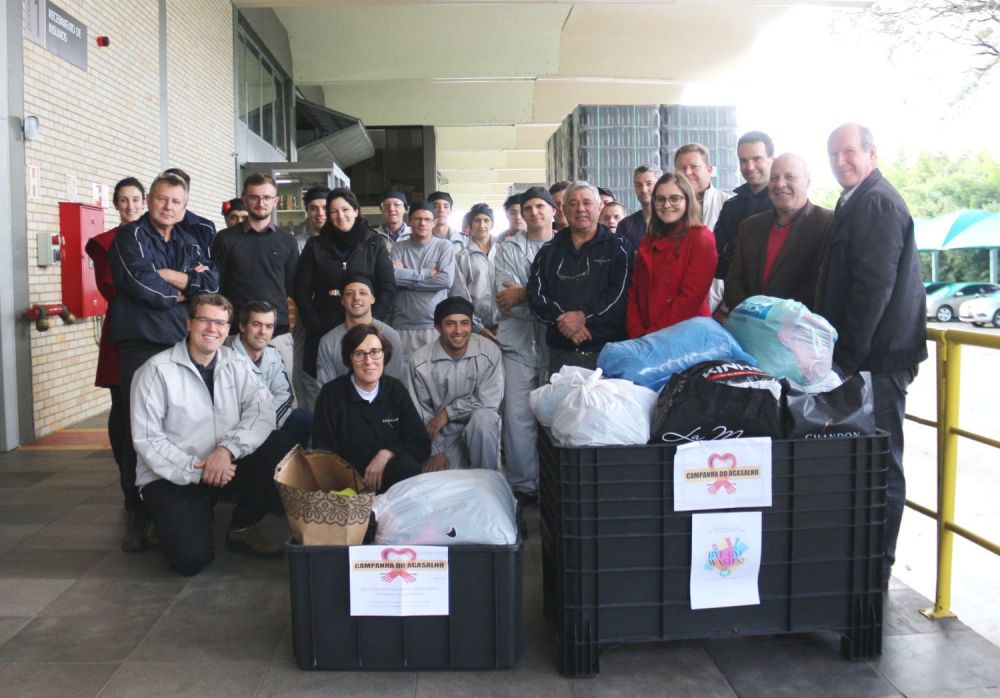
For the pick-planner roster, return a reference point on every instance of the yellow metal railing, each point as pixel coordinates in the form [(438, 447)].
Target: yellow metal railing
[(949, 367)]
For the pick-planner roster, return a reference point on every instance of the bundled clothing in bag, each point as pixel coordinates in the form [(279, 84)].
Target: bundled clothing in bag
[(308, 484), (717, 400), (604, 413), (787, 339), (447, 507), (847, 411), (651, 360), (545, 399)]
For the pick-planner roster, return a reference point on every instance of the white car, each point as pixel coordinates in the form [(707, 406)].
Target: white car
[(982, 310)]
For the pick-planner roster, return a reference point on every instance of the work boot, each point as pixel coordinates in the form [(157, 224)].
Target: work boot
[(134, 540), (153, 536), (252, 541)]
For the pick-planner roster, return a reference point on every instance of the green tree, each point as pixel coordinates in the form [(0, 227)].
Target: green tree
[(971, 23)]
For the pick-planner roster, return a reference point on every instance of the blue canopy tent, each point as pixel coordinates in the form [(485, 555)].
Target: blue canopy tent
[(983, 234), (932, 235)]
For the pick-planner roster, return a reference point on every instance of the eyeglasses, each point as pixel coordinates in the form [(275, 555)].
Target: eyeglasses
[(211, 321), (673, 200), (373, 354), (262, 199)]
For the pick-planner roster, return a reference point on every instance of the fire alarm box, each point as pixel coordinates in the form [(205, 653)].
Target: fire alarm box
[(77, 224)]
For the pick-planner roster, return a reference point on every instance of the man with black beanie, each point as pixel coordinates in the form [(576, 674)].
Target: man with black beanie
[(443, 206), (457, 385)]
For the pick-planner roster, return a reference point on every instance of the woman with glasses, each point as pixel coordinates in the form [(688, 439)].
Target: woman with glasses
[(674, 264), (345, 245), (367, 417)]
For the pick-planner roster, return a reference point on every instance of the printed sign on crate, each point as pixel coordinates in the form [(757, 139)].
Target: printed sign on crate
[(398, 581), (723, 474), (725, 559)]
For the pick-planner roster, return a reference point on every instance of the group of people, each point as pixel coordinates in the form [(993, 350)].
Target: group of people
[(415, 345)]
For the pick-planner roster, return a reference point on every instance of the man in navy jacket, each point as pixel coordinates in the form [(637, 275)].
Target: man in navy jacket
[(870, 290), (157, 264), (579, 283)]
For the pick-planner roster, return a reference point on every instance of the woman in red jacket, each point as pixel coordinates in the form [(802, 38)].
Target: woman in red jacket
[(130, 201), (674, 264)]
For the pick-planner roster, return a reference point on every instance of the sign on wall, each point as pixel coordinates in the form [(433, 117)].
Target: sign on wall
[(61, 33)]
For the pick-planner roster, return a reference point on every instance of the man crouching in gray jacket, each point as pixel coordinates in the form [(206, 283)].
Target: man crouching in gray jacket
[(204, 429)]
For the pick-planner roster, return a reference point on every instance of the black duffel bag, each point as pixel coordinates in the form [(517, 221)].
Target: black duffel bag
[(846, 411), (717, 400)]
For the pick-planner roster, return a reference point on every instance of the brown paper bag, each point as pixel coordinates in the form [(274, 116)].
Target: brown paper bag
[(304, 481)]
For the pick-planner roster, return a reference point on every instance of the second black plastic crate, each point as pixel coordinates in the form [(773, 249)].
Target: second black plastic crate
[(616, 556), (483, 630)]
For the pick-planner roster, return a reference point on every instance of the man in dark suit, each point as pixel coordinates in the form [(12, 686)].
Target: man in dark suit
[(778, 252), (870, 290)]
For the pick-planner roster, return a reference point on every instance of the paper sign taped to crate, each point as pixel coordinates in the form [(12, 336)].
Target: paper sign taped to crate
[(723, 474), (725, 559), (399, 581)]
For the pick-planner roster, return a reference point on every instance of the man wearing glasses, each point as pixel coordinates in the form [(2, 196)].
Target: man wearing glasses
[(157, 265), (579, 283), (257, 261), (204, 430)]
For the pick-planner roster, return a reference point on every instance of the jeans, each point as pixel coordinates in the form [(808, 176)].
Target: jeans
[(889, 391), (183, 514), (300, 425), (566, 357)]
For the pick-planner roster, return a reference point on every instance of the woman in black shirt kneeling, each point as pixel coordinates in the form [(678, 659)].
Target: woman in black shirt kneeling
[(368, 418)]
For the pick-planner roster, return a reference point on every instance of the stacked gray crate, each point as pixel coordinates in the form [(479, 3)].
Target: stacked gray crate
[(713, 127), (603, 144)]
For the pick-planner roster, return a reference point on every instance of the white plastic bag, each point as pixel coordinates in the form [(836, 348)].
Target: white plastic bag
[(544, 400), (446, 508), (787, 339), (604, 413)]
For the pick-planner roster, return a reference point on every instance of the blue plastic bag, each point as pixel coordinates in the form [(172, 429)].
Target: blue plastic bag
[(787, 339), (651, 360)]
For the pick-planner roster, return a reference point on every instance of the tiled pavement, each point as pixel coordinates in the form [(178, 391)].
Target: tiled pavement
[(80, 618)]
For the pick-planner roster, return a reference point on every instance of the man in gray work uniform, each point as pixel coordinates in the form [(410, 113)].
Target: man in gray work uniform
[(456, 383)]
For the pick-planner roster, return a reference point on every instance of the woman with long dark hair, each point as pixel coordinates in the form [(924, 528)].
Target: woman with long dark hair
[(674, 264), (346, 244)]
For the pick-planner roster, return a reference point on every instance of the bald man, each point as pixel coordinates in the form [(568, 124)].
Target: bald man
[(778, 252)]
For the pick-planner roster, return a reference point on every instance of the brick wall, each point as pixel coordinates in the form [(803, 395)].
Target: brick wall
[(201, 112), (103, 124)]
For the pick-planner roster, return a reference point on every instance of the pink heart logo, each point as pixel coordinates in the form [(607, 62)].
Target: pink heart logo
[(724, 458), (400, 555), (722, 482)]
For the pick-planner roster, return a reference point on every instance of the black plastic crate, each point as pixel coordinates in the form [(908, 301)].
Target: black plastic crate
[(484, 629), (616, 556)]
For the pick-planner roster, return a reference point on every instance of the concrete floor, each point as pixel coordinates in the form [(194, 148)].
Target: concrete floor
[(80, 618)]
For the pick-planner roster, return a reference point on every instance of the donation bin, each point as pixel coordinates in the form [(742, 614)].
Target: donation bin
[(483, 630), (617, 557)]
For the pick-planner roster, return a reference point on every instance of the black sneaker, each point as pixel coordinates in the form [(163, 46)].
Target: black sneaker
[(252, 541), (134, 540)]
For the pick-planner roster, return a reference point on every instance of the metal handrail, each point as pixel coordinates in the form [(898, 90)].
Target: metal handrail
[(949, 366)]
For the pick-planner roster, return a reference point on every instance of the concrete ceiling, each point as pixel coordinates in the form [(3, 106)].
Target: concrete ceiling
[(496, 78)]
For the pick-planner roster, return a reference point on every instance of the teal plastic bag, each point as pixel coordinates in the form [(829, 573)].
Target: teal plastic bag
[(787, 339)]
